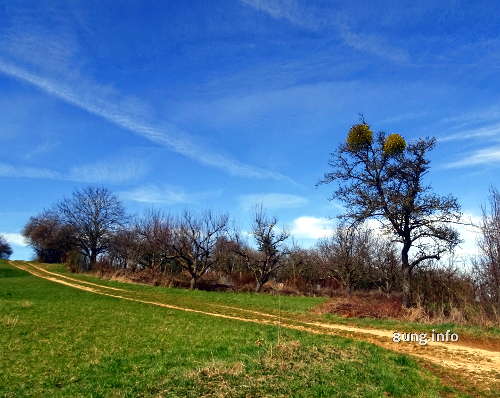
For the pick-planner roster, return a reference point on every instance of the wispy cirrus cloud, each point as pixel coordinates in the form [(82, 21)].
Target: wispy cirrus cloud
[(490, 131), (131, 114), (113, 172), (165, 195), (8, 170), (289, 10), (371, 44), (272, 201), (116, 171), (91, 98), (40, 46), (476, 158), (42, 149), (308, 18)]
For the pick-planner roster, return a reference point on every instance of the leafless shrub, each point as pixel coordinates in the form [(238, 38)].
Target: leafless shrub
[(194, 242), (267, 259)]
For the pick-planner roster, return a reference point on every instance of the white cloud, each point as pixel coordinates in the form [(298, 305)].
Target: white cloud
[(112, 171), (475, 117), (470, 235), (41, 149), (481, 156), (371, 44), (51, 60), (306, 227), (100, 172), (127, 113), (14, 238), (154, 194), (272, 201), (165, 194), (7, 170), (310, 19), (487, 131)]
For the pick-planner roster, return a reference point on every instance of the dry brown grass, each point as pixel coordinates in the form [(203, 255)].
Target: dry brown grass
[(380, 306), (362, 305)]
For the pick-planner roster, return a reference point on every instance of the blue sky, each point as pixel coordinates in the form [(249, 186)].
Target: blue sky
[(224, 104)]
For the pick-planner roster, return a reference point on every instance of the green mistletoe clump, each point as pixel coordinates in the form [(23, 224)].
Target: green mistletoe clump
[(394, 144), (359, 137)]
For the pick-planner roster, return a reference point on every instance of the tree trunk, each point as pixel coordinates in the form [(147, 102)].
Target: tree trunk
[(347, 289), (258, 286), (92, 260), (406, 277), (192, 283)]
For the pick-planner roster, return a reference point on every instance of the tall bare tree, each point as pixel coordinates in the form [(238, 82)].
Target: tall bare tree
[(383, 178), (95, 214)]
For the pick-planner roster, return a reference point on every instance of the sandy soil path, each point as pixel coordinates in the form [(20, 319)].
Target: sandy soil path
[(483, 365)]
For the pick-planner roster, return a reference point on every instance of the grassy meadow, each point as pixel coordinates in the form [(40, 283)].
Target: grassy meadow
[(297, 306), (59, 341)]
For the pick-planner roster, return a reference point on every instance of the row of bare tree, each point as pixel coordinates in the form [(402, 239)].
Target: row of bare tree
[(92, 226), (376, 177)]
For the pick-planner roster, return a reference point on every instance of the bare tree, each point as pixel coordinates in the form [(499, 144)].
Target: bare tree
[(270, 239), (382, 178), (385, 265), (488, 266), (227, 260), (95, 214), (346, 256), (302, 267), (155, 233), (5, 249), (194, 242), (49, 237), (123, 248)]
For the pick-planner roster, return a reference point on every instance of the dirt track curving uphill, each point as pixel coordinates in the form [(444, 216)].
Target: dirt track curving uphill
[(483, 365)]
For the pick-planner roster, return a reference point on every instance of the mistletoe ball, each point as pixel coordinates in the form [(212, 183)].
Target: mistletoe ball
[(359, 137), (394, 144)]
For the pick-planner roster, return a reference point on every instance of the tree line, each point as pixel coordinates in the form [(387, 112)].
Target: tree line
[(376, 177)]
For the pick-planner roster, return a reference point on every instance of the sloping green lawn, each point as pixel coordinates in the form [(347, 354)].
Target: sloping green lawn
[(296, 305), (59, 341)]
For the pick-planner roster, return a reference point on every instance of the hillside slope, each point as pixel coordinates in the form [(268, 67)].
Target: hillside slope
[(77, 338)]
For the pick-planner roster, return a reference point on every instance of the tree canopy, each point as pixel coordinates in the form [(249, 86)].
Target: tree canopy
[(380, 176)]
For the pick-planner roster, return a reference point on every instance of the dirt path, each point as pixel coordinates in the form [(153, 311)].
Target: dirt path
[(483, 365)]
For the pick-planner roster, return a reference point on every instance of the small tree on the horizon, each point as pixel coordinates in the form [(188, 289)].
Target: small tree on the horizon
[(382, 177), (49, 237), (194, 242), (346, 255), (268, 258), (5, 249)]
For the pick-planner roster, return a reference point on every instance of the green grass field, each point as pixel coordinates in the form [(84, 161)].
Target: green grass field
[(298, 306), (59, 341)]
